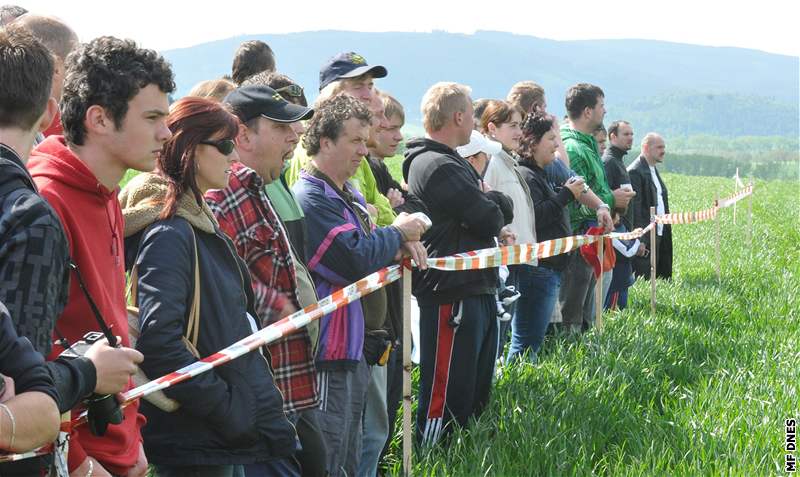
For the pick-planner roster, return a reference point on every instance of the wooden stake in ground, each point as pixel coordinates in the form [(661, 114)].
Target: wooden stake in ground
[(750, 217), (598, 291), (719, 238), (653, 233), (407, 435), (735, 190)]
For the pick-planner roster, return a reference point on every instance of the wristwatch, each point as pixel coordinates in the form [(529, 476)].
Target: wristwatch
[(603, 206)]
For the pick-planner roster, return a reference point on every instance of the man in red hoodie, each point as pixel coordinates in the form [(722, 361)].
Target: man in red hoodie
[(113, 110)]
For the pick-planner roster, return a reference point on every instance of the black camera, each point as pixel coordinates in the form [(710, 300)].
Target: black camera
[(102, 410)]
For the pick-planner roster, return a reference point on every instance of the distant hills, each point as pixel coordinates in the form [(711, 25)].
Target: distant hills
[(676, 89)]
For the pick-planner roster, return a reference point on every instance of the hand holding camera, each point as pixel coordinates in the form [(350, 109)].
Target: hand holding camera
[(576, 185), (411, 226), (622, 196), (114, 366)]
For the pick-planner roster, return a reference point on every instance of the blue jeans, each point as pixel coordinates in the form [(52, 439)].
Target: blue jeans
[(539, 289)]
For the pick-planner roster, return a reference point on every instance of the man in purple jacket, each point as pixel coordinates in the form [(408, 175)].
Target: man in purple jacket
[(344, 246)]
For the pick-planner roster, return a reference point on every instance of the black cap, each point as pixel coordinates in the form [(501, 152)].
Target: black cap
[(347, 65), (249, 102)]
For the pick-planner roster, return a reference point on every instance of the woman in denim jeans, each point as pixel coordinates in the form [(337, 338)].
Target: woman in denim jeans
[(539, 284)]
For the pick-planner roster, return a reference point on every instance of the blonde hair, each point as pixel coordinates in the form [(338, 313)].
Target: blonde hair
[(328, 92), (392, 106), (441, 101), (525, 95), (215, 89)]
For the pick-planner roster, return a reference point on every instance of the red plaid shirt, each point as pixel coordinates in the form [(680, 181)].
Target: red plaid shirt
[(246, 215)]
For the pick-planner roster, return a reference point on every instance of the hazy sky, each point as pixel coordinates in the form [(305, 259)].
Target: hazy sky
[(767, 25)]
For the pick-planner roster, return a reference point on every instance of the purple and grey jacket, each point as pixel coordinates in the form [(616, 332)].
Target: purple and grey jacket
[(340, 253)]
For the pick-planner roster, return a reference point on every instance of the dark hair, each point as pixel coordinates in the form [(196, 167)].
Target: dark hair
[(253, 56), (498, 112), (191, 120), (328, 120), (277, 81), (9, 13), (600, 127), (580, 97), (53, 33), (525, 95), (478, 107), (534, 128), (614, 127), (108, 72), (26, 75)]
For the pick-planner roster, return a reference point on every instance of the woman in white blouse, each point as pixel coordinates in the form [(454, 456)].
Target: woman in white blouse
[(501, 122)]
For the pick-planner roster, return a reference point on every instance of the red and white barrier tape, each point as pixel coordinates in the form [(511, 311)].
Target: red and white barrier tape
[(727, 202), (474, 260), (687, 217)]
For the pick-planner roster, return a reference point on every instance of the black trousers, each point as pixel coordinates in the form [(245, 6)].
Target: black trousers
[(458, 348)]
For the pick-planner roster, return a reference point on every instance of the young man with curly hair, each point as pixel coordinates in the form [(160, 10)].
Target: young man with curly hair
[(113, 110)]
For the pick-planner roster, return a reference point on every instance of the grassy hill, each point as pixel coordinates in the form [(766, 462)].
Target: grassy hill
[(669, 87), (702, 388)]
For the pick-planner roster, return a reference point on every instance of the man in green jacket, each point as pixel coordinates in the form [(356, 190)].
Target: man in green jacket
[(348, 73), (585, 104)]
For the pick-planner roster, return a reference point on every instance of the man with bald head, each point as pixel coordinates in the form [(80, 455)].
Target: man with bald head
[(651, 192)]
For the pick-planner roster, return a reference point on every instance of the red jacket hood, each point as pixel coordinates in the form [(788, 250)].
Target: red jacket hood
[(70, 171)]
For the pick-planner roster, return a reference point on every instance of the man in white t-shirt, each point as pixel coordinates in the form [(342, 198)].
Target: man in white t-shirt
[(651, 192)]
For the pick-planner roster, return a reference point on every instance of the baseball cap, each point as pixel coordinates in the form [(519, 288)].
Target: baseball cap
[(347, 65), (249, 102), (479, 143)]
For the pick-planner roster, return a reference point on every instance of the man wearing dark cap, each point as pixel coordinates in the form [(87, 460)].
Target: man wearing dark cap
[(352, 67), (245, 213)]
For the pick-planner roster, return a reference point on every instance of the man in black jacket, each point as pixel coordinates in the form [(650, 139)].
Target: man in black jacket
[(458, 327), (620, 135), (29, 417), (651, 192), (34, 277)]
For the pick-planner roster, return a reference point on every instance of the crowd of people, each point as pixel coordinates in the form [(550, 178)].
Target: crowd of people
[(250, 205)]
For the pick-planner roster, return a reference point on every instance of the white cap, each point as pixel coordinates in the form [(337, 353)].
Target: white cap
[(479, 143)]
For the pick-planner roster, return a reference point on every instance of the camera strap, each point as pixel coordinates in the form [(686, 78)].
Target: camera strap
[(112, 340)]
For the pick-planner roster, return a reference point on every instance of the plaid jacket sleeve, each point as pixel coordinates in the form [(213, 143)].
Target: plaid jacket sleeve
[(239, 220)]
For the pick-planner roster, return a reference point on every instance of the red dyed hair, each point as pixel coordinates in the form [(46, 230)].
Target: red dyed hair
[(191, 120)]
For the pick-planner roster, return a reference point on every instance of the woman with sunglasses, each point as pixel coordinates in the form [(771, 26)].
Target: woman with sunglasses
[(230, 419)]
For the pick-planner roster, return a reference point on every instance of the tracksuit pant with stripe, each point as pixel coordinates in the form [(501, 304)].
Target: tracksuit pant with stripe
[(458, 347), (342, 395)]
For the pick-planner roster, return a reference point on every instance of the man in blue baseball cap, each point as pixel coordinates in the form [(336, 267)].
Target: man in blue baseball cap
[(351, 66)]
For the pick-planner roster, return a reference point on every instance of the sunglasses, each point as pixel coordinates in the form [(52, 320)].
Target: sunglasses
[(224, 146), (292, 90)]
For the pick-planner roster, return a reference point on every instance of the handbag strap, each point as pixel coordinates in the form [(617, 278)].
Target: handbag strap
[(193, 319), (193, 327)]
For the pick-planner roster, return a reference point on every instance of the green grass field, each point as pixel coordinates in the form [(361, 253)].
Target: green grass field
[(702, 388)]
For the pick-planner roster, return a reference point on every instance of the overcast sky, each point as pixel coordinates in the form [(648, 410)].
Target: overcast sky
[(767, 25)]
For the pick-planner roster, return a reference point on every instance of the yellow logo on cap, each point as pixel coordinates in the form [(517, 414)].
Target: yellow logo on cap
[(357, 59), (277, 97)]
